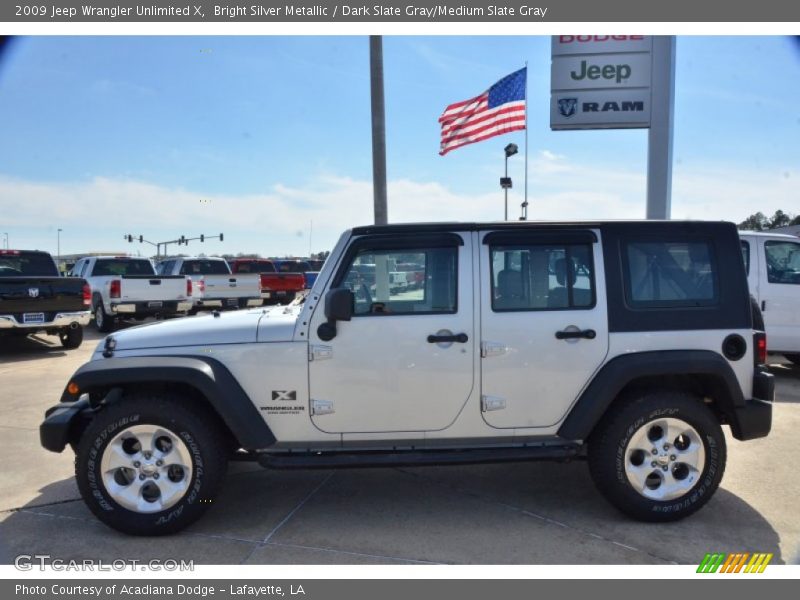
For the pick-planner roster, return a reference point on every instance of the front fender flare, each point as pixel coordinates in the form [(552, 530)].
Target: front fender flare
[(207, 375)]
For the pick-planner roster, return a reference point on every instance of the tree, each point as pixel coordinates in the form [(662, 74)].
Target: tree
[(760, 222)]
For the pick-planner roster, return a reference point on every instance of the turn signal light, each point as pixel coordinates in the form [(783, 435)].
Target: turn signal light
[(188, 287), (116, 288), (87, 295), (73, 388)]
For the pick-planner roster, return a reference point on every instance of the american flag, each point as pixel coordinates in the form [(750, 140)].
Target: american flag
[(500, 109)]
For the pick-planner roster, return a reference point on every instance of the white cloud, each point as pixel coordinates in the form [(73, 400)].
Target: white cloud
[(276, 222)]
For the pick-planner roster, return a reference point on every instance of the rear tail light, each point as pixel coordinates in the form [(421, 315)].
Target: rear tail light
[(188, 287), (116, 288), (201, 286), (264, 284), (87, 295), (760, 344)]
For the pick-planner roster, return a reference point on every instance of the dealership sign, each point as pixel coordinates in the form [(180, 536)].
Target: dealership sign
[(600, 81)]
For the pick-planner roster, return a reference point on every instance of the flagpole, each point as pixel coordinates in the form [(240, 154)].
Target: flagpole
[(525, 205)]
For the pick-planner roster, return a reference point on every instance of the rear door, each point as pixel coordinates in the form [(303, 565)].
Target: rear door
[(544, 325)]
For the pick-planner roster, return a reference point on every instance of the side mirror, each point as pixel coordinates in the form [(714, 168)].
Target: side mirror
[(339, 304), (338, 307)]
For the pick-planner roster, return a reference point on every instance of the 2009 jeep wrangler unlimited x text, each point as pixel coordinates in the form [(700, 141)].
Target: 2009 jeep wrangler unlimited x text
[(629, 343)]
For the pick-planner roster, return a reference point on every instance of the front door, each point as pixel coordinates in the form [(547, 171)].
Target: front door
[(544, 324), (404, 362)]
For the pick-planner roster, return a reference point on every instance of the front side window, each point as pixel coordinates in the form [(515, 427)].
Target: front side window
[(670, 274), (542, 277), (403, 282), (783, 262)]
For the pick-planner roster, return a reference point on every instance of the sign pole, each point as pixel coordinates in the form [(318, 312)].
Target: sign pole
[(659, 139), (525, 205)]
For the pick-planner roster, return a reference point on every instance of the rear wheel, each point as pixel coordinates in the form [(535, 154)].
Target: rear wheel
[(71, 338), (149, 464), (102, 320), (658, 456)]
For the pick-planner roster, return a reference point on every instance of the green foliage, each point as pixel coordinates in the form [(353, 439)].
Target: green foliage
[(760, 222)]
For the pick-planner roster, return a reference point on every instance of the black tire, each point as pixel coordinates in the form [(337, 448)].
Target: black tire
[(190, 424), (102, 320), (71, 338), (793, 358), (609, 442)]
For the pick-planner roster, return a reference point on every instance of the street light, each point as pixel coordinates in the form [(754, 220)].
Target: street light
[(505, 182), (58, 259), (5, 233)]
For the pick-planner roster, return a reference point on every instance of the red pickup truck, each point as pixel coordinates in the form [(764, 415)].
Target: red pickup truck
[(277, 285)]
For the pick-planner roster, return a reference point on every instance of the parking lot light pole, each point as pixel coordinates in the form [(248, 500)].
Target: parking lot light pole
[(58, 250), (5, 233), (505, 182)]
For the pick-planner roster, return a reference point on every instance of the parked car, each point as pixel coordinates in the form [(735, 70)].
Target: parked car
[(127, 287), (35, 298), (276, 286), (213, 284), (773, 272), (633, 353)]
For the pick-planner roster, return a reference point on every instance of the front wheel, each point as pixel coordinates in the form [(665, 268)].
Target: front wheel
[(150, 465), (658, 456)]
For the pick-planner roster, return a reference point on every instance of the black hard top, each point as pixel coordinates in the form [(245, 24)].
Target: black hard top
[(444, 227)]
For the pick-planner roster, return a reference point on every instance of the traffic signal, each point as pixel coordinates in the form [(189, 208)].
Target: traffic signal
[(182, 240), (130, 238), (141, 239), (202, 238), (220, 237)]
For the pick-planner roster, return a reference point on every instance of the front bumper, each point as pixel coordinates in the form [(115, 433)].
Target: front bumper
[(60, 423), (62, 319)]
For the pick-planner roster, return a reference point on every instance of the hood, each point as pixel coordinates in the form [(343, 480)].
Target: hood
[(236, 327)]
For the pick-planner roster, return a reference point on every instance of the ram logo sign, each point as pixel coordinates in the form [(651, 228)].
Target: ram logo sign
[(567, 106)]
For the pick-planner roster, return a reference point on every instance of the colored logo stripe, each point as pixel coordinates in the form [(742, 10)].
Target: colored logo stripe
[(734, 563)]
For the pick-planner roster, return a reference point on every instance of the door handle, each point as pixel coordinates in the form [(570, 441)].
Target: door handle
[(461, 338), (588, 334)]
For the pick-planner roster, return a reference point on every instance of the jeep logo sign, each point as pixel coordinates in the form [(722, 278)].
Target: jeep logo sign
[(600, 81)]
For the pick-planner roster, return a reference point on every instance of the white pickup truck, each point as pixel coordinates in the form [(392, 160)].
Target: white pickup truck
[(213, 284), (128, 287), (773, 275)]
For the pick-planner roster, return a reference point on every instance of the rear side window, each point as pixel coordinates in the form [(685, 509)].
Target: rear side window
[(663, 274), (542, 277), (783, 262), (122, 266), (204, 267)]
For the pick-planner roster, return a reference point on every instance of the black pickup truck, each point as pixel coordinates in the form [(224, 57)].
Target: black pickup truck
[(34, 297)]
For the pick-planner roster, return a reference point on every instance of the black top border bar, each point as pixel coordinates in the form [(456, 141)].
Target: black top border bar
[(400, 11)]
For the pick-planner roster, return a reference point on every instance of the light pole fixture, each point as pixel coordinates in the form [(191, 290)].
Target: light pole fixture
[(58, 250), (505, 182), (5, 233)]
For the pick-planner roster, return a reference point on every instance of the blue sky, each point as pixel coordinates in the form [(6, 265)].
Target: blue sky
[(260, 137)]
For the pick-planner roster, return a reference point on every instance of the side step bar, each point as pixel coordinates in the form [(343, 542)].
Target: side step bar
[(409, 458)]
